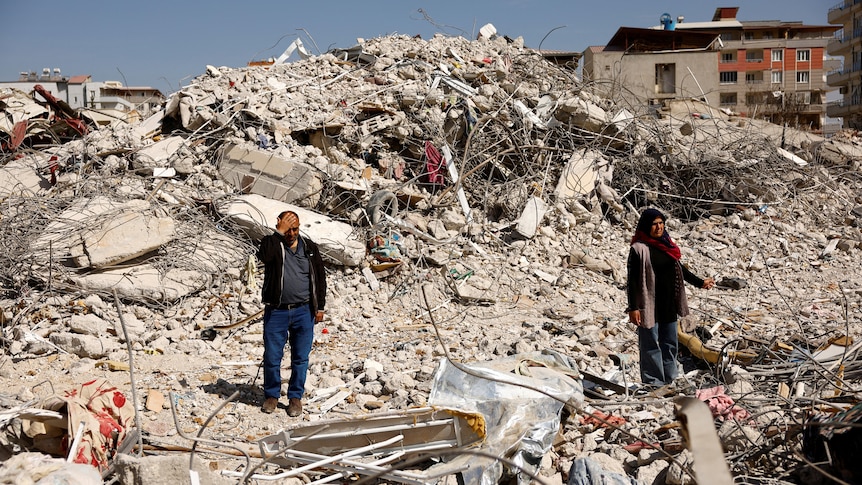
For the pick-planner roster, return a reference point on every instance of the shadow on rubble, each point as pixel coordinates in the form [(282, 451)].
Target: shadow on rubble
[(249, 394)]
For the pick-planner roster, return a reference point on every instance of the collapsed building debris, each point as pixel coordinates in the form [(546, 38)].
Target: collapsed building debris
[(476, 170)]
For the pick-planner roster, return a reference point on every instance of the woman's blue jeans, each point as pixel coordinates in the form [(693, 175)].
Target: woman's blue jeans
[(658, 349), (296, 327)]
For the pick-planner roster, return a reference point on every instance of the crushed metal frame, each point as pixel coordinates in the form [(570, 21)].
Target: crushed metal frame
[(384, 438)]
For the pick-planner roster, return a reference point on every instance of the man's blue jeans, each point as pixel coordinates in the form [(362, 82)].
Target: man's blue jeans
[(295, 326), (658, 349)]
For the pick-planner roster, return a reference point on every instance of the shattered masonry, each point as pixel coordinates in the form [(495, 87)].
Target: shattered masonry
[(475, 170)]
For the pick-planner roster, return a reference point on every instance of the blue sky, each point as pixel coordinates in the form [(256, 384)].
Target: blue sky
[(166, 44)]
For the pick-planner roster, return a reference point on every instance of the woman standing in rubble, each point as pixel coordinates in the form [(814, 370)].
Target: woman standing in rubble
[(656, 296)]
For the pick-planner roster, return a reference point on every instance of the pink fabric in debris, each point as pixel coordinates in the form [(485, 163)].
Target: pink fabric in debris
[(434, 164), (721, 405)]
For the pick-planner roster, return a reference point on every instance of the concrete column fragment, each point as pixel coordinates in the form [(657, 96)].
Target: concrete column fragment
[(255, 171)]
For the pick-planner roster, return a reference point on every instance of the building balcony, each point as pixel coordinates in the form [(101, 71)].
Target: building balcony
[(840, 12), (838, 43), (842, 108), (841, 78), (838, 78)]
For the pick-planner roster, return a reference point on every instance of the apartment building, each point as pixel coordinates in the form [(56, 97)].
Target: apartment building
[(847, 43), (771, 69), (768, 69), (103, 101), (642, 68)]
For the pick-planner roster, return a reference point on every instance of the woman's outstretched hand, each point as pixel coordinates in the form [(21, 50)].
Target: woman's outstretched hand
[(635, 317)]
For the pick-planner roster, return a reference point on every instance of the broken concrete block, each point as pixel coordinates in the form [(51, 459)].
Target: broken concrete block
[(609, 196), (584, 114), (65, 230), (88, 324), (532, 215), (143, 282), (578, 256), (622, 119), (21, 177), (579, 176), (370, 278), (160, 153), (487, 32), (378, 123), (262, 172), (149, 127), (120, 239), (129, 324), (88, 346), (156, 470), (438, 229)]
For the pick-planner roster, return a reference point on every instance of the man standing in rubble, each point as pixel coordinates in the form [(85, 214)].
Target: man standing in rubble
[(294, 292)]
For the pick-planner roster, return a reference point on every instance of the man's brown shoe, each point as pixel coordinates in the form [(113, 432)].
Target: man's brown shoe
[(294, 409), (269, 405)]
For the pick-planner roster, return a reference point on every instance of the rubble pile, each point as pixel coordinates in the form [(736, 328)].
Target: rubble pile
[(475, 204)]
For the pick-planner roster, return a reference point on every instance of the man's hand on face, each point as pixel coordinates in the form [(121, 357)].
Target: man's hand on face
[(288, 225)]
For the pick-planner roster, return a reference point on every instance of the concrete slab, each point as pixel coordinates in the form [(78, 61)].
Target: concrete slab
[(64, 231), (122, 238), (257, 215), (579, 175), (160, 153), (143, 283), (21, 177), (255, 171)]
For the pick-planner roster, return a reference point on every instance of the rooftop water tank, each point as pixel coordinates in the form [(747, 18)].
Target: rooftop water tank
[(667, 21)]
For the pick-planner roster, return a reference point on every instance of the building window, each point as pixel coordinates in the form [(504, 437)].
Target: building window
[(777, 55), (803, 77), (665, 78), (767, 35), (727, 99), (754, 55), (728, 77), (754, 77), (803, 55), (728, 57), (777, 77), (749, 36)]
